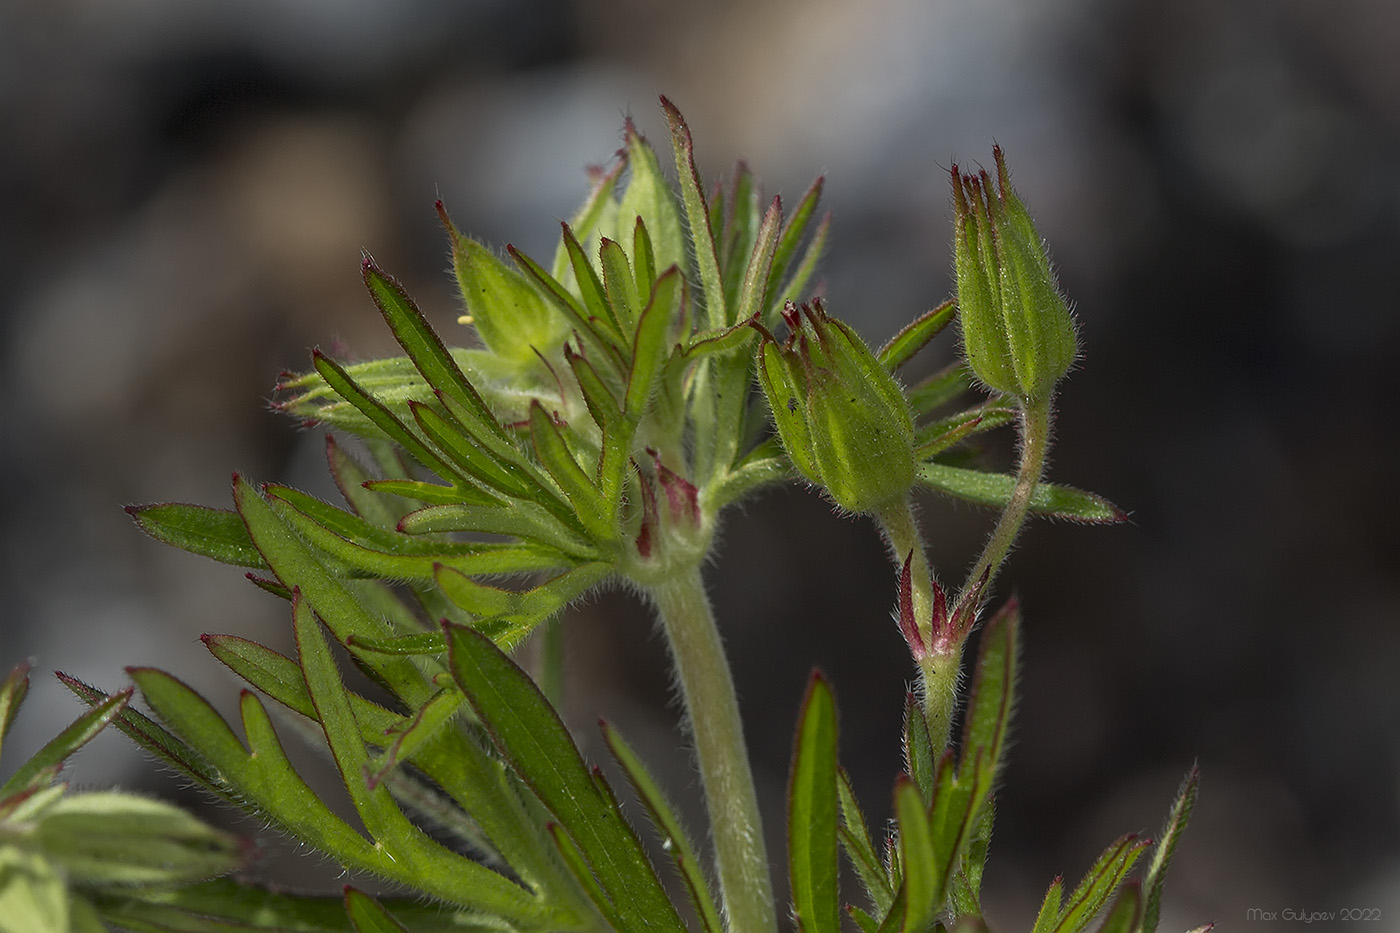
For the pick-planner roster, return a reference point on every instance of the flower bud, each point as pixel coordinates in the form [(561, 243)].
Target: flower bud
[(1017, 330), (842, 418)]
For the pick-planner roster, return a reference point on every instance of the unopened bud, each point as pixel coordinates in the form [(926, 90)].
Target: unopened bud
[(842, 418), (1017, 329)]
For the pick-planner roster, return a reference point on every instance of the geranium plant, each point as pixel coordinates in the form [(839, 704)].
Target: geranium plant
[(668, 362)]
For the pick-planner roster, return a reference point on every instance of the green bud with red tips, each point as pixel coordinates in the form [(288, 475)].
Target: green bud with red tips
[(842, 418), (1017, 329)]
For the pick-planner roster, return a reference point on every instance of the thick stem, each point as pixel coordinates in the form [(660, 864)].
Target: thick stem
[(1035, 445), (708, 688)]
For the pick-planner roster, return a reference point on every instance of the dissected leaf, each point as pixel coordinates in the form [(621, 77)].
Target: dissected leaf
[(533, 739), (417, 859)]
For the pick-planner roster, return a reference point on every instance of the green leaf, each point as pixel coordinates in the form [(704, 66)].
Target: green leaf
[(33, 895), (449, 758), (298, 568), (1099, 883), (523, 520), (512, 318), (110, 839), (36, 772), (649, 196), (995, 489), (855, 837), (1168, 838), (595, 299), (701, 234), (919, 759), (619, 284), (863, 920), (554, 454), (916, 335), (1050, 907), (385, 420), (595, 211), (1124, 915), (224, 906), (422, 492), (531, 736), (418, 860), (577, 865), (157, 740), (922, 888), (643, 258), (216, 533), (740, 232), (673, 835), (993, 691), (416, 731), (516, 479), (812, 806), (600, 343), (939, 389), (426, 349), (12, 693), (651, 345), (934, 438), (602, 403), (754, 289), (793, 231), (797, 284), (193, 719), (966, 891), (406, 557), (375, 507), (368, 915)]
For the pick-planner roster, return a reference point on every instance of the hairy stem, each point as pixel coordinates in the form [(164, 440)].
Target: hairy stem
[(1035, 445), (708, 688), (940, 673)]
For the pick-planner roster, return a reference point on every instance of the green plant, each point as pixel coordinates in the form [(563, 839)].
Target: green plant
[(620, 400)]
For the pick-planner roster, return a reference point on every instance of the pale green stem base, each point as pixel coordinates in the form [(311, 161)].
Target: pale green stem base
[(941, 673), (708, 687)]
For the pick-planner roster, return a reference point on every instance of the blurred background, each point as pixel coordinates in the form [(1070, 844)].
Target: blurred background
[(186, 189)]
